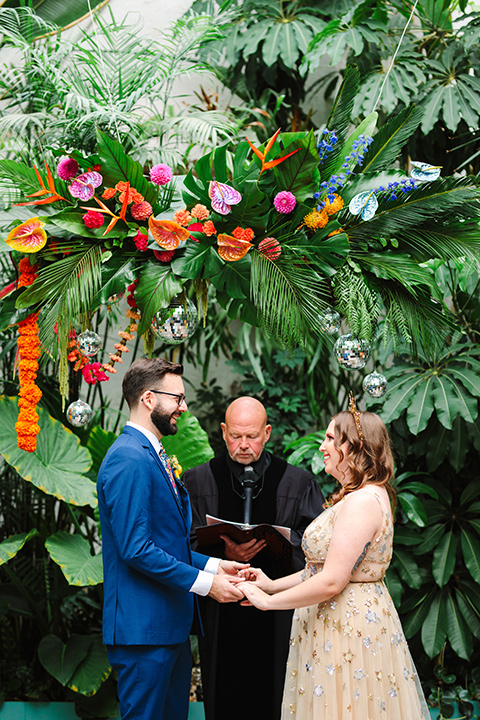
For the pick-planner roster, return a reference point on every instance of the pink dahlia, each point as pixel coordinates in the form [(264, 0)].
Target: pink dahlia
[(284, 202), (195, 227), (161, 174), (93, 219), (141, 241), (164, 255), (67, 168), (270, 247), (141, 210)]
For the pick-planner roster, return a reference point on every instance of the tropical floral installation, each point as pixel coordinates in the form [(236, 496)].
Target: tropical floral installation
[(298, 235)]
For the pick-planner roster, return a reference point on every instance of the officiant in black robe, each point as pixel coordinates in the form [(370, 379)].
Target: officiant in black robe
[(243, 652)]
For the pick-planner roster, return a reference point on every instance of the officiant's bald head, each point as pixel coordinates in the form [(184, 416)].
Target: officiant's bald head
[(245, 429)]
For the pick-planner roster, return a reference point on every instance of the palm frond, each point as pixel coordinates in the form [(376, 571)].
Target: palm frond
[(390, 139), (289, 299), (399, 268), (340, 117), (21, 26), (356, 300)]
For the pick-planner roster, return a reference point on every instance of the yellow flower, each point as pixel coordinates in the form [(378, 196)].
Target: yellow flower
[(316, 220), (176, 467), (334, 206), (29, 237)]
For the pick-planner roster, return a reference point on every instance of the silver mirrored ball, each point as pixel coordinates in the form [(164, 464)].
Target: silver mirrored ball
[(89, 343), (352, 352), (375, 385), (330, 321), (176, 323), (79, 413)]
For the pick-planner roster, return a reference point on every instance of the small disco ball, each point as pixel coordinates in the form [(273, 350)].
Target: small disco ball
[(330, 321), (352, 352), (89, 343), (176, 323), (79, 413), (375, 385)]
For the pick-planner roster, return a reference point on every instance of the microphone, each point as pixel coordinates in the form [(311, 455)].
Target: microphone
[(249, 481)]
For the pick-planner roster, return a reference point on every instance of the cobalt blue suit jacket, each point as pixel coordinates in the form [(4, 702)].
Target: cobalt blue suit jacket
[(149, 567)]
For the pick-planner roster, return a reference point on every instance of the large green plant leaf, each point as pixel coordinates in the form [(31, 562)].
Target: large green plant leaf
[(57, 465), (60, 659), (471, 553), (458, 632), (413, 508), (297, 173), (190, 445), (10, 547), (444, 559), (93, 670), (99, 441), (72, 553), (117, 167), (155, 290), (407, 568), (435, 626), (390, 139)]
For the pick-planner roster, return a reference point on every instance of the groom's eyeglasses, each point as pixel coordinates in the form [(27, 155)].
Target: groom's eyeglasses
[(180, 398)]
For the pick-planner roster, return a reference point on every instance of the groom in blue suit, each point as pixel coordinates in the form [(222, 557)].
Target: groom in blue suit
[(151, 576)]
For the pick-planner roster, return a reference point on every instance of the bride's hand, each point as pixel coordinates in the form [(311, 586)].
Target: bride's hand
[(254, 595), (257, 576)]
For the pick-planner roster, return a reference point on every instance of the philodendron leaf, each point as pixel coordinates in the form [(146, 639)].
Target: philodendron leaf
[(72, 554), (61, 660), (58, 463), (10, 547)]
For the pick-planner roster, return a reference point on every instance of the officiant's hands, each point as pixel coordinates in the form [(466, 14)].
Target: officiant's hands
[(242, 552)]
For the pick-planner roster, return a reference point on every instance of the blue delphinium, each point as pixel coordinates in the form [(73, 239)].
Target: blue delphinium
[(356, 156)]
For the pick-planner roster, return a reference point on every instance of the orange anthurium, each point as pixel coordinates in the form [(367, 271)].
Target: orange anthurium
[(231, 249), (167, 233), (29, 237), (266, 165)]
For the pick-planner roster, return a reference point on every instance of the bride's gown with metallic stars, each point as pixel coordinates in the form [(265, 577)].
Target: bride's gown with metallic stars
[(348, 658)]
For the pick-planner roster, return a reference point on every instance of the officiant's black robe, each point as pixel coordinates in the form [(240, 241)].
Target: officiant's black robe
[(244, 651)]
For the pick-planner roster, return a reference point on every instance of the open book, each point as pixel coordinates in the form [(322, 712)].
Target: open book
[(277, 538)]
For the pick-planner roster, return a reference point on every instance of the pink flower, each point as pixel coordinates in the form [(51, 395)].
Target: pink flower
[(270, 247), (195, 227), (141, 241), (161, 174), (164, 255), (67, 168), (93, 219), (284, 202), (83, 187), (141, 211)]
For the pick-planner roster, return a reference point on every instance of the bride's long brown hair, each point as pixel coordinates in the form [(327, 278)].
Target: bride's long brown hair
[(369, 459)]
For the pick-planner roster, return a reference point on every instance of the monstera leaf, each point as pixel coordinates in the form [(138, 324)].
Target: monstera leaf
[(57, 465), (190, 445), (72, 554)]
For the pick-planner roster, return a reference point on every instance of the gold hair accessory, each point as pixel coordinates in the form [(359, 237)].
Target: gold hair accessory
[(352, 407)]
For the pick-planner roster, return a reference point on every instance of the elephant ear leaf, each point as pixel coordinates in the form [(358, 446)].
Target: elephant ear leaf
[(72, 553), (190, 445), (58, 464), (13, 544)]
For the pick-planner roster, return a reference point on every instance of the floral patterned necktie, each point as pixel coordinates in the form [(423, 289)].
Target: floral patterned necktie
[(166, 464)]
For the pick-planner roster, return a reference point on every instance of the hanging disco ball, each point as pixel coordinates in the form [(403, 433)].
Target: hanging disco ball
[(330, 321), (375, 385), (89, 343), (352, 352), (176, 323), (79, 413)]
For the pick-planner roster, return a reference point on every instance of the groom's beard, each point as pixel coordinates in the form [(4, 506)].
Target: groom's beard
[(163, 422)]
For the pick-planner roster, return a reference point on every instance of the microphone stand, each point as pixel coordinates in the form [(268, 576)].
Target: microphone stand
[(248, 483)]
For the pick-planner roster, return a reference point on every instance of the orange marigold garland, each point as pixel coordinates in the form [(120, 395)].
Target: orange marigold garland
[(27, 426), (126, 334)]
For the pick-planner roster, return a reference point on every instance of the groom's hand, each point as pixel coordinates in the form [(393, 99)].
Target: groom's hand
[(224, 589), (228, 567)]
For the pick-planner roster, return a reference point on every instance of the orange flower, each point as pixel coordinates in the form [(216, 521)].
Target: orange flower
[(167, 233), (108, 193), (182, 217), (315, 220), (29, 237), (232, 249), (243, 234), (209, 228), (336, 232), (199, 212), (27, 427)]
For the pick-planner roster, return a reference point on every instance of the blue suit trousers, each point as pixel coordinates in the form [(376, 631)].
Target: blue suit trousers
[(153, 681)]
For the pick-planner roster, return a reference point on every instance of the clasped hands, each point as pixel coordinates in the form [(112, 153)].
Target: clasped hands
[(235, 581)]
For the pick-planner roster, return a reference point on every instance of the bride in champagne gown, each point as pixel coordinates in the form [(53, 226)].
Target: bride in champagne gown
[(348, 658)]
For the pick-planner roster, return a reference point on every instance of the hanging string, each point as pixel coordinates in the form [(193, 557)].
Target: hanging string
[(104, 75), (395, 54)]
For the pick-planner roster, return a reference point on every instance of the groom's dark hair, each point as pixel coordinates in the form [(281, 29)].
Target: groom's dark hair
[(144, 374)]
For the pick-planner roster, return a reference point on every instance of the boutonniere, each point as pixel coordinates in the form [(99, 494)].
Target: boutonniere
[(176, 467)]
